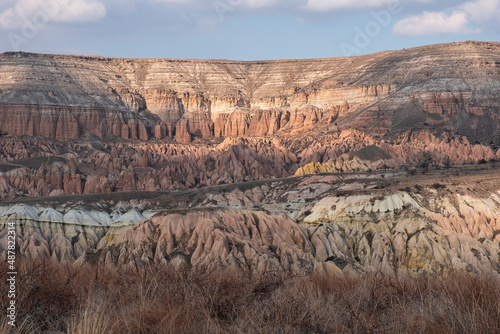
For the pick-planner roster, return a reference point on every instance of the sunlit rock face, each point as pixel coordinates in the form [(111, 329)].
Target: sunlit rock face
[(112, 124), (65, 233), (431, 229), (335, 224), (397, 233), (226, 153), (452, 86)]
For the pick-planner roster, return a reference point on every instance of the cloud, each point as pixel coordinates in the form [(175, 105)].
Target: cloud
[(182, 2), (482, 10), (256, 4), (81, 10), (434, 23), (247, 4), (322, 5), (41, 12), (460, 21), (328, 5)]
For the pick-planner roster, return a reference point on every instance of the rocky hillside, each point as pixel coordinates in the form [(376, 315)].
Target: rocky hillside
[(392, 224), (452, 87), (76, 125), (209, 162)]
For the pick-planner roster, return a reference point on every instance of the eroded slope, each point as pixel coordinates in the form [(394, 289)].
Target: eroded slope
[(342, 224)]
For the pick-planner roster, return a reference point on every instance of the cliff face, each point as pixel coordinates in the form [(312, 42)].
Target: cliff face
[(452, 87), (390, 224), (92, 149), (70, 122), (157, 124)]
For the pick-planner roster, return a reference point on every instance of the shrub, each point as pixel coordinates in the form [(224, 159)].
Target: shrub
[(92, 299)]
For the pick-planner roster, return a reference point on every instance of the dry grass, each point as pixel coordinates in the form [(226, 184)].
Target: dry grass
[(89, 299)]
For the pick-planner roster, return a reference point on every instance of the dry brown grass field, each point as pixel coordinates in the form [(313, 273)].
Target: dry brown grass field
[(56, 298)]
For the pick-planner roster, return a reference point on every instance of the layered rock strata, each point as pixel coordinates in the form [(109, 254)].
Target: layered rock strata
[(34, 166), (452, 87), (344, 225), (84, 139)]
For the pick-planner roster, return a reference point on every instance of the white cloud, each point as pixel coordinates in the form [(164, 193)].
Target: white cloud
[(327, 5), (324, 5), (460, 21), (174, 1), (81, 10), (482, 10), (248, 4), (259, 3), (119, 6), (434, 23), (41, 12)]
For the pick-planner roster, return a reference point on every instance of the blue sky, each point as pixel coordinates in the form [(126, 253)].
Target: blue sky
[(240, 29)]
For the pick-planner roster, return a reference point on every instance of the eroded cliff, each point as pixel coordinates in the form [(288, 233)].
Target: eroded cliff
[(393, 224), (153, 124), (208, 162), (442, 85)]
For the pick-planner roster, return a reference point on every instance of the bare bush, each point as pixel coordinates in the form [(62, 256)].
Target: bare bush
[(90, 299)]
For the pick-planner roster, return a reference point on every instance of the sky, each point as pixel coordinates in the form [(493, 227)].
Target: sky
[(240, 29)]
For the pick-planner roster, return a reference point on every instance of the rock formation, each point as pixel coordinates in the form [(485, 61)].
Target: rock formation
[(392, 224), (61, 97), (215, 158), (429, 103)]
